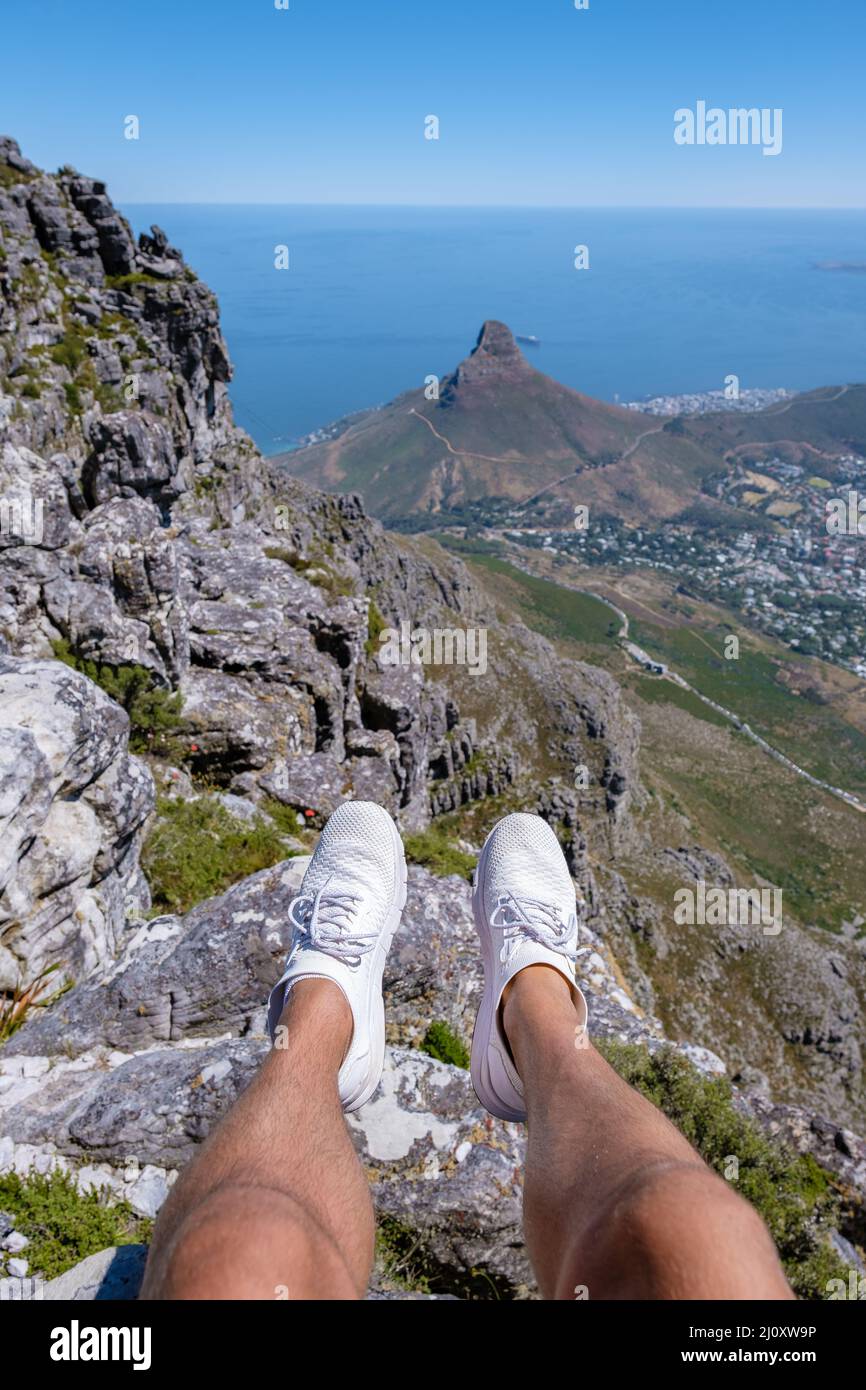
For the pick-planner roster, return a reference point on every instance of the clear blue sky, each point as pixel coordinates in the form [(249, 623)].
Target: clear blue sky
[(539, 104)]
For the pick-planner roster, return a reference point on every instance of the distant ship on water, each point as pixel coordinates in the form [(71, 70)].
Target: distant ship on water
[(528, 338)]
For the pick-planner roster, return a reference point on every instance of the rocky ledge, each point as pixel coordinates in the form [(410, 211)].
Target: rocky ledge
[(122, 1079)]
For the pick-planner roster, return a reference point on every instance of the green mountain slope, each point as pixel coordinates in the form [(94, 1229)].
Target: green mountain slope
[(499, 428), (501, 432)]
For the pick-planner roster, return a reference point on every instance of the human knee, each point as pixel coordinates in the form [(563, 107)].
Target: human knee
[(670, 1229), (696, 1236), (669, 1195), (250, 1243)]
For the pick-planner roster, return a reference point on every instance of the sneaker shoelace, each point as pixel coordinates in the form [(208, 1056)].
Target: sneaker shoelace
[(518, 918), (327, 921)]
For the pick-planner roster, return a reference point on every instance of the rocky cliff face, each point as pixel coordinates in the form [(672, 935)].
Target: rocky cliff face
[(495, 356), (97, 322), (142, 529), (142, 535), (72, 809)]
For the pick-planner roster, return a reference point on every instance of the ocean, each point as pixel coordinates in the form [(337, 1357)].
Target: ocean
[(377, 298)]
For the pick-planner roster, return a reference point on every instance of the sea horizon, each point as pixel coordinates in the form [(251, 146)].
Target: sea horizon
[(378, 297), (518, 207)]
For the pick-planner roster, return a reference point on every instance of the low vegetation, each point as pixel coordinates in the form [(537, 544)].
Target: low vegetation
[(64, 1225), (557, 612), (23, 999), (9, 176), (442, 1043), (435, 850), (406, 1263), (156, 723), (316, 568), (126, 282), (71, 351), (663, 692), (196, 850), (775, 691), (376, 625)]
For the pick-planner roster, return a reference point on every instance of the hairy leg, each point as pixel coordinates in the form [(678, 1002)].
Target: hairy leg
[(276, 1204), (617, 1202)]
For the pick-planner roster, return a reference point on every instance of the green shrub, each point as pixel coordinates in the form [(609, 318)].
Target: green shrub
[(30, 284), (156, 725), (64, 1225), (126, 282), (399, 1255), (376, 625), (315, 569), (196, 850), (71, 351), (109, 398), (335, 584), (112, 324), (288, 557), (443, 1044), (286, 818), (87, 380), (436, 851), (9, 176), (791, 1191)]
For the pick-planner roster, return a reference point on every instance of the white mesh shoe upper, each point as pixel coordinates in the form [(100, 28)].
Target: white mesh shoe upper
[(344, 917), (355, 855), (526, 914), (526, 876)]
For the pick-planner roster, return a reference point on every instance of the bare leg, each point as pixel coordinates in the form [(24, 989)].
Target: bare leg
[(276, 1204), (616, 1200)]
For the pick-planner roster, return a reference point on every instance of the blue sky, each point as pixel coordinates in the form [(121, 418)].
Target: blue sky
[(539, 104)]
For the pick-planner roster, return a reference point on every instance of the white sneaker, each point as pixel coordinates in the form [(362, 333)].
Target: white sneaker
[(344, 919), (523, 900)]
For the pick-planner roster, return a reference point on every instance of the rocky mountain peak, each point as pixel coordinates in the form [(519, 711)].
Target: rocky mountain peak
[(10, 155), (495, 354), (102, 334)]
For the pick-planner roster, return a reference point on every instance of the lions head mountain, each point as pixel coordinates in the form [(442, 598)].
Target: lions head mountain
[(497, 431), (191, 679), (495, 427)]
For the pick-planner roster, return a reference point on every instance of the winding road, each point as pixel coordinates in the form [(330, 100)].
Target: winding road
[(739, 724), (730, 715), (548, 487), (458, 453)]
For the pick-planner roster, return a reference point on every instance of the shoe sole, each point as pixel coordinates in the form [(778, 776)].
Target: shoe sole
[(375, 1006), (485, 1021)]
